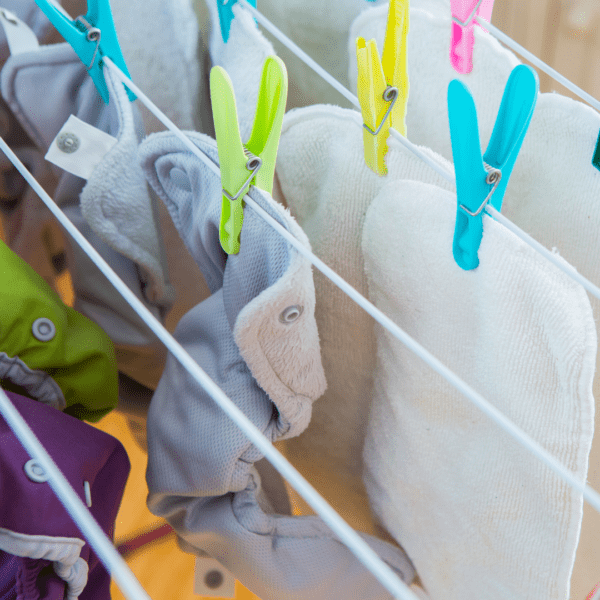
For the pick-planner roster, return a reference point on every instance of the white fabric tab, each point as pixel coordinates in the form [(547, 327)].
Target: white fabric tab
[(79, 148), (212, 580), (19, 36)]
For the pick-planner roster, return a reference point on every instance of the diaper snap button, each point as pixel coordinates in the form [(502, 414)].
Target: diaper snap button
[(43, 329), (291, 313), (68, 142), (35, 471)]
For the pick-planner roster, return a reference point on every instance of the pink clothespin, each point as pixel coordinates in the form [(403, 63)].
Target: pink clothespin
[(463, 39)]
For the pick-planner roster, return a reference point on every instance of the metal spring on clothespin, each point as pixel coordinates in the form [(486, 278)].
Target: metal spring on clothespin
[(493, 177), (253, 164)]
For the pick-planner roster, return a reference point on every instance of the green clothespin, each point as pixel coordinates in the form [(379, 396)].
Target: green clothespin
[(254, 163)]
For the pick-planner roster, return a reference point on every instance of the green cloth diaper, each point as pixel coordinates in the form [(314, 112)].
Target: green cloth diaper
[(49, 351)]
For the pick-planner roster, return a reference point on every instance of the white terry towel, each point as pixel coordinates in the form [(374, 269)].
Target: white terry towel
[(553, 191), (159, 41), (328, 187), (478, 515)]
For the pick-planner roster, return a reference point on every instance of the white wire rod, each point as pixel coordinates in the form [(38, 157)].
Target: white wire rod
[(103, 547), (363, 552), (542, 66), (592, 497), (565, 268)]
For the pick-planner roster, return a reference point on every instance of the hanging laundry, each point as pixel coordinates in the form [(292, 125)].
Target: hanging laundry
[(141, 357), (478, 514), (327, 185), (48, 350), (122, 223), (43, 554), (553, 191), (256, 337)]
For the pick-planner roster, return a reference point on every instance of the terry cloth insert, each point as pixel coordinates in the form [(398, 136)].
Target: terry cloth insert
[(479, 516), (553, 191), (256, 337), (328, 187)]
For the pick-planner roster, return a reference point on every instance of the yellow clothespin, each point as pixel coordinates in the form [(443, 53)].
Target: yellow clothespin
[(383, 85)]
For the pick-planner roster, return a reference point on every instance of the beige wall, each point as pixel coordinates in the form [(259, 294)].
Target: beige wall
[(563, 33)]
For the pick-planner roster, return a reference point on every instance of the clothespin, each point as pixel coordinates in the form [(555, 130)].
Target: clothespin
[(596, 157), (260, 152), (92, 37), (383, 85), (463, 38), (480, 180), (225, 8)]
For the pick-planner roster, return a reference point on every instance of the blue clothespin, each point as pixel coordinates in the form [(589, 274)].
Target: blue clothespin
[(480, 180), (225, 8), (92, 37)]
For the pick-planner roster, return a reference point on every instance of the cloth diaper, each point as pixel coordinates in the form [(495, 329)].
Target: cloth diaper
[(43, 554), (553, 190), (328, 187), (256, 337), (49, 351), (477, 513)]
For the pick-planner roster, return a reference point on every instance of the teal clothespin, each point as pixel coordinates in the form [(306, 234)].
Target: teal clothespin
[(480, 180), (225, 8), (260, 152), (92, 37), (596, 157)]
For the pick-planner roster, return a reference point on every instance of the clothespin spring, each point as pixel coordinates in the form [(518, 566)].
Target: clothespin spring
[(493, 177), (254, 164), (390, 94), (93, 35), (470, 17)]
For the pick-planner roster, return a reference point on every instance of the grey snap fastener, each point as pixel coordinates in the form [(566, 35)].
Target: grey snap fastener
[(291, 313), (43, 329), (68, 142), (213, 579), (35, 471)]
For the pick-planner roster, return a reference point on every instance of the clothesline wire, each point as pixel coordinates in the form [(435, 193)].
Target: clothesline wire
[(553, 258), (541, 65), (102, 545), (589, 494), (363, 552)]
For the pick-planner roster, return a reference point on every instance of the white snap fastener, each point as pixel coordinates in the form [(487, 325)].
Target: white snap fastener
[(68, 142), (35, 471), (43, 329), (87, 493), (291, 313)]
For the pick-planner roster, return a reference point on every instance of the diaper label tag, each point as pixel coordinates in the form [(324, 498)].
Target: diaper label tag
[(212, 580), (19, 36), (79, 148)]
